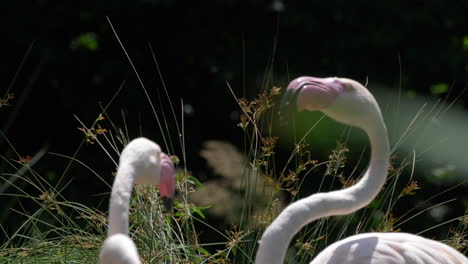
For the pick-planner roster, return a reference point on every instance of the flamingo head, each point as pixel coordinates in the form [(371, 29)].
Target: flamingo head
[(167, 182), (342, 99), (152, 167)]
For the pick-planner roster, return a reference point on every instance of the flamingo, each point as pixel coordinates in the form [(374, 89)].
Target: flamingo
[(348, 102), (141, 162)]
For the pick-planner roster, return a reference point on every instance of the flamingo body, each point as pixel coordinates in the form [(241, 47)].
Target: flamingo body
[(388, 248)]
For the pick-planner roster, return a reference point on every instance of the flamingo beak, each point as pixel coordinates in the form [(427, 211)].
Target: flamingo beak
[(309, 93), (167, 182)]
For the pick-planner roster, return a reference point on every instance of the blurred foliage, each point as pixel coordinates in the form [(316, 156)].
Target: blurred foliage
[(86, 40), (439, 88)]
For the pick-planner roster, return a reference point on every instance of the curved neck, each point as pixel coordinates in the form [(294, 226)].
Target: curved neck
[(278, 235), (120, 199)]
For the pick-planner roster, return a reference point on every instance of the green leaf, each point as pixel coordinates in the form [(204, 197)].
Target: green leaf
[(465, 43), (198, 210), (88, 41), (195, 181), (439, 88), (204, 251)]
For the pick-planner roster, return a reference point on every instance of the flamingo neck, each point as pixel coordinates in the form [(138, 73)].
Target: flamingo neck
[(278, 235), (120, 199)]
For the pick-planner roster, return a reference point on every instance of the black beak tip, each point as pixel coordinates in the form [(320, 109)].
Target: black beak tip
[(168, 203)]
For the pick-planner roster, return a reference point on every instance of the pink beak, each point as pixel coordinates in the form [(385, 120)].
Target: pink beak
[(309, 93), (167, 182)]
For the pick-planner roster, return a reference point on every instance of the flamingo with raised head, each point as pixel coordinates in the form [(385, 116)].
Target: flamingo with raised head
[(348, 102), (141, 162)]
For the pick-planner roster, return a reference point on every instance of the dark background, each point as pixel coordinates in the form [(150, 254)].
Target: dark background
[(75, 62)]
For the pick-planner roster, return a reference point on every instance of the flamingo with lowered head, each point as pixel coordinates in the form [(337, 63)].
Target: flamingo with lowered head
[(141, 162), (348, 102)]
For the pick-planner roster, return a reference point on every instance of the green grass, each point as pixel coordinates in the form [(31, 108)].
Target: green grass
[(61, 231)]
